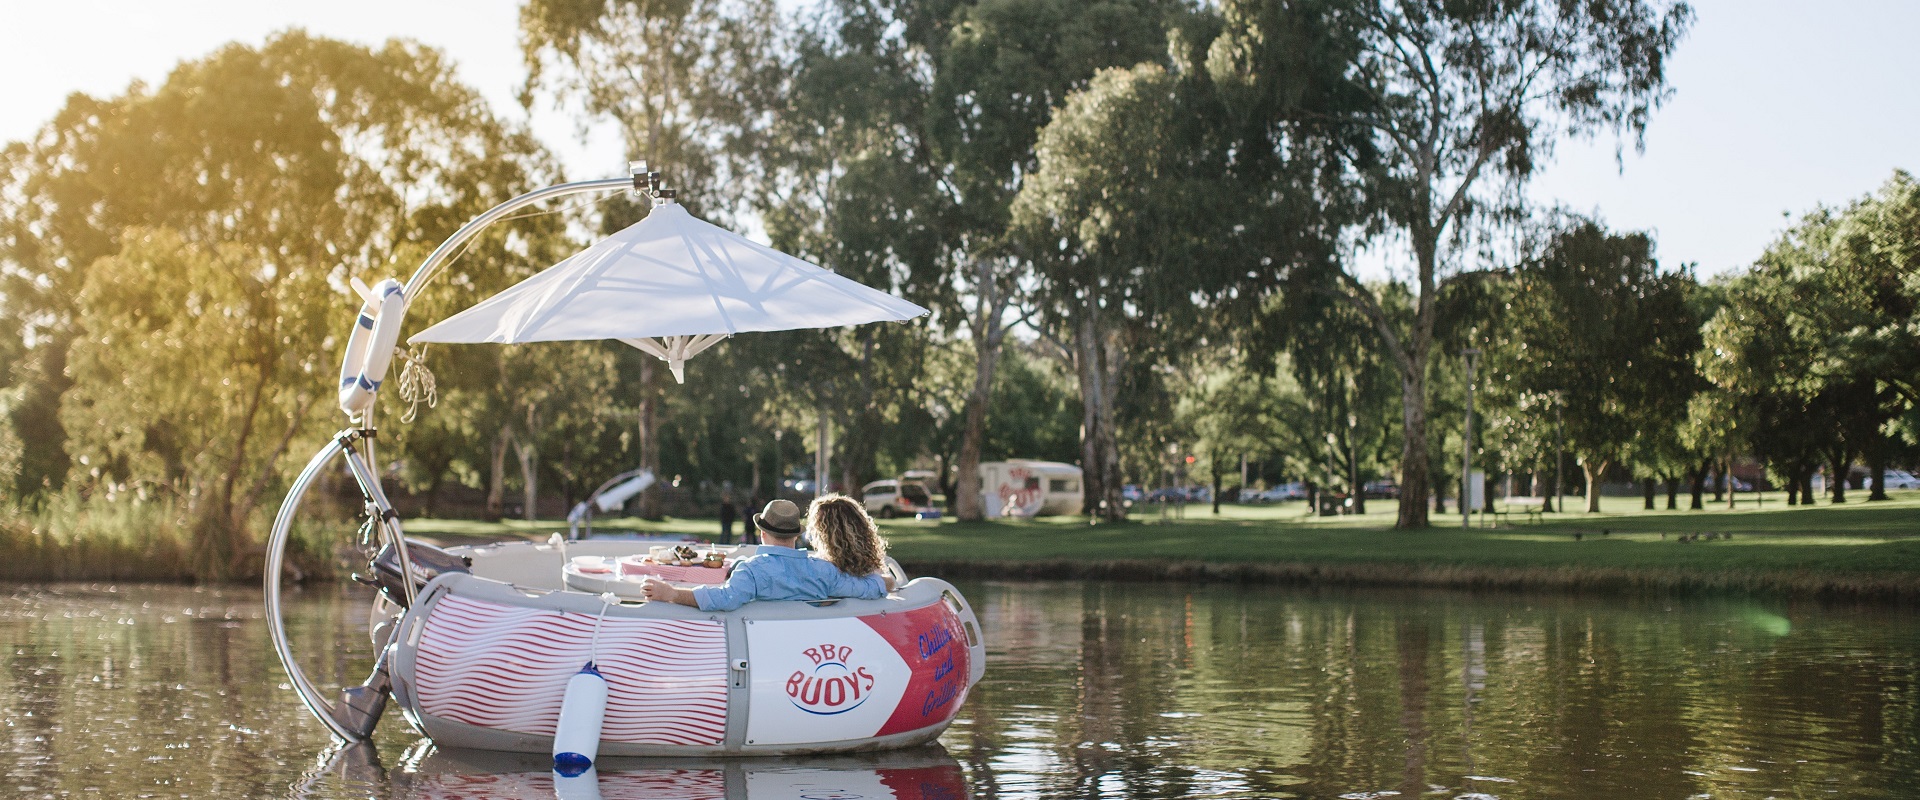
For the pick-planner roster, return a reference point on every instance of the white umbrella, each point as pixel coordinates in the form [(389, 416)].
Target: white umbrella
[(671, 285)]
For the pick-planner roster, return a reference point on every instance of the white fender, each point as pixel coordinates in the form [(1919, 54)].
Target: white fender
[(576, 737), (375, 333)]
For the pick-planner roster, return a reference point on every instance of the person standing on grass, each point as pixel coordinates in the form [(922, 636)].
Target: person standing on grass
[(851, 561)]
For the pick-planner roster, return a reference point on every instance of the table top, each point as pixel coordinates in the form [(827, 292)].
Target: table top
[(625, 576)]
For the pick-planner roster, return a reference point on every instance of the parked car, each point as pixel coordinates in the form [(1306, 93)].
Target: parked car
[(891, 498), (1132, 493), (1380, 490), (1902, 479), (1282, 493)]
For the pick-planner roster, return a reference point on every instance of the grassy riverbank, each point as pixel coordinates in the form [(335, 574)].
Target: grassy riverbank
[(1854, 550)]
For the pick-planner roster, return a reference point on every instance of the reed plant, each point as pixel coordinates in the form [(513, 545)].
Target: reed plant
[(73, 537)]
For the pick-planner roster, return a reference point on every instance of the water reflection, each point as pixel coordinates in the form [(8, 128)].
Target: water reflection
[(1115, 690), (1093, 690), (426, 772)]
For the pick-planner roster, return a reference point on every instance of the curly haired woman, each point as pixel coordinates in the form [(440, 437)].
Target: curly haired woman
[(841, 531)]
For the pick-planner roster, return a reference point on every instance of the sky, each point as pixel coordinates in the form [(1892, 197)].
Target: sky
[(1778, 106)]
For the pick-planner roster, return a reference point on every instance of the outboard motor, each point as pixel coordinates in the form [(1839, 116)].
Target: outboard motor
[(359, 707), (429, 562)]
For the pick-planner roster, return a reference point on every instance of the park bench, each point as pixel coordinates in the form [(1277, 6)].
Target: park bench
[(1528, 507)]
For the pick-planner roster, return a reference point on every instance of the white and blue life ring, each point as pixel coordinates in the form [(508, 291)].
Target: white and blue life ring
[(370, 349)]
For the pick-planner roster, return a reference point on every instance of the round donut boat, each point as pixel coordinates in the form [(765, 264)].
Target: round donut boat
[(483, 658), (483, 647)]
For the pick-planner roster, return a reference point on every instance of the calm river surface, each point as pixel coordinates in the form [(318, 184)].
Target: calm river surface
[(1092, 690)]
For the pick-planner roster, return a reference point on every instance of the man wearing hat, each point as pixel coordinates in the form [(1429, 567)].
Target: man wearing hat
[(778, 571)]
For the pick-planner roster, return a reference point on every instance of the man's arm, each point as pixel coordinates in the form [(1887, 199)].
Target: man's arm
[(657, 589)]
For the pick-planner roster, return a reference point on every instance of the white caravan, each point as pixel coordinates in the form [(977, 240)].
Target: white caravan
[(1023, 488)]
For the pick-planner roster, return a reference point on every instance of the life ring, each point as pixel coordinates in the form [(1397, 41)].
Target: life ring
[(370, 348)]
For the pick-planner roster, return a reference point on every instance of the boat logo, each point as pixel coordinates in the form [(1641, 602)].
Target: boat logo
[(835, 684)]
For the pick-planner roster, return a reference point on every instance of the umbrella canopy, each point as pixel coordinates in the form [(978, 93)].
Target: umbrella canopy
[(672, 285)]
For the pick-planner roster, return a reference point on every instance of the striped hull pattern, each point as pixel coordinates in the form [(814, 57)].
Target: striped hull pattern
[(506, 668)]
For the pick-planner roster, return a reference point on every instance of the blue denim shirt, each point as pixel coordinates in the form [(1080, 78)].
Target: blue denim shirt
[(783, 573)]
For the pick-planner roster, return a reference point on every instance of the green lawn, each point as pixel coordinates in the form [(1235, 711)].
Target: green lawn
[(1771, 545)]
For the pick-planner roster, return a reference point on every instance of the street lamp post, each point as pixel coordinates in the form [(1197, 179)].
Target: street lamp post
[(1466, 448)]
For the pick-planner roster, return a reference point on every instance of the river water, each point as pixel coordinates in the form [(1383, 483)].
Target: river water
[(1092, 690)]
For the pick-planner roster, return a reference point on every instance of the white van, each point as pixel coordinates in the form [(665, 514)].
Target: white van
[(1023, 488), (890, 498)]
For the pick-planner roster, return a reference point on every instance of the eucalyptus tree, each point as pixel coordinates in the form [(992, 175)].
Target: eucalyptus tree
[(182, 252), (1456, 104), (838, 183), (1121, 217), (1595, 323), (687, 82), (973, 83)]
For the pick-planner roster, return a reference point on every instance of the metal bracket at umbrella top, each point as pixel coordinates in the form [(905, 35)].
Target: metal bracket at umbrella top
[(647, 181)]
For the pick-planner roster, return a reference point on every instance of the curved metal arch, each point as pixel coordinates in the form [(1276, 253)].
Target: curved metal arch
[(444, 253), (340, 445), (276, 622)]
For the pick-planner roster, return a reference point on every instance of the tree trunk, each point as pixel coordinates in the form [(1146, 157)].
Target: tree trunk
[(1646, 491), (1414, 486), (967, 503), (1697, 486), (1673, 493), (530, 486), (1726, 471), (1093, 476), (1841, 464), (1216, 486), (1111, 361), (497, 476), (1099, 363), (988, 335), (1593, 469), (1877, 468), (943, 480), (649, 441), (1355, 488)]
